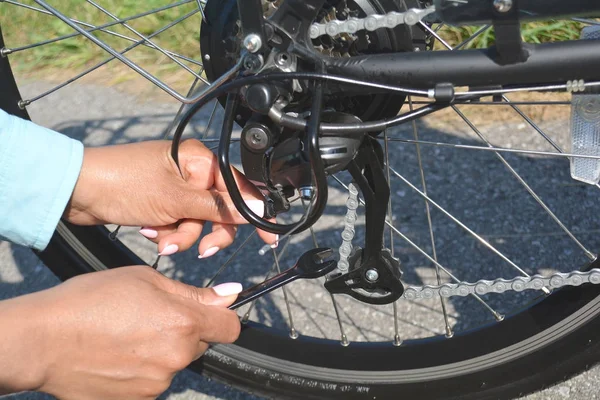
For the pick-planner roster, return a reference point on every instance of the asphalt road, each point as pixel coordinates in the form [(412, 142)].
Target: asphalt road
[(528, 237)]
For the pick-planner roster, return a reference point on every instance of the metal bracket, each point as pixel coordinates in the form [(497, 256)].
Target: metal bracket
[(509, 44)]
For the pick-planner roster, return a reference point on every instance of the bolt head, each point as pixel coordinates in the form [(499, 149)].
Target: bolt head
[(256, 138), (252, 43), (503, 5), (372, 275)]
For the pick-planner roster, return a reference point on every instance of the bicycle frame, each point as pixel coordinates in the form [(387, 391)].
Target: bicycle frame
[(496, 66)]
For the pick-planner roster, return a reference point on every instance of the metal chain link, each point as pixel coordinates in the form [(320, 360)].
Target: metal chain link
[(370, 23), (348, 232), (462, 289)]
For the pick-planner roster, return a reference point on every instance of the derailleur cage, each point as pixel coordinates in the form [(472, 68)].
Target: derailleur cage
[(374, 275)]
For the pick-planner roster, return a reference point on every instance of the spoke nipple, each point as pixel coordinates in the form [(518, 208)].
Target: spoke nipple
[(397, 341), (113, 235), (5, 51), (207, 57), (450, 332), (263, 250), (245, 318), (155, 265), (23, 103), (293, 333), (499, 317), (546, 291), (344, 341)]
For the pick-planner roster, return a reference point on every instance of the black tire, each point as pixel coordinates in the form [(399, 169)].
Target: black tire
[(538, 347)]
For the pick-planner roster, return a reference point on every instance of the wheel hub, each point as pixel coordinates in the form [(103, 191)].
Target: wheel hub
[(221, 43)]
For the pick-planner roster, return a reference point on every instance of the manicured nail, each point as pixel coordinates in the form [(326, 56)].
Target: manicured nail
[(209, 252), (170, 249), (257, 207), (227, 289), (149, 233), (275, 243)]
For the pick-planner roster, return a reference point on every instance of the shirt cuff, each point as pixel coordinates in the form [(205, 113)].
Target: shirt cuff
[(38, 172)]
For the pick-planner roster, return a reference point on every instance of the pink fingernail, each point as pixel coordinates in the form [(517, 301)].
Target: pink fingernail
[(275, 243), (149, 233), (209, 252), (227, 289), (257, 207), (170, 249)]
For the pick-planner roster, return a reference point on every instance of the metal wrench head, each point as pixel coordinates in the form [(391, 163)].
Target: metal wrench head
[(314, 264)]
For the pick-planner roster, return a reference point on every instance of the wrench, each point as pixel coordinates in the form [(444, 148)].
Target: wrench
[(311, 265)]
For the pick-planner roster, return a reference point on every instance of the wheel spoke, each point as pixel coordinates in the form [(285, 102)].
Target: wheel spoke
[(533, 194), (494, 149), (497, 316), (134, 66), (497, 103), (434, 33), (102, 28), (463, 226), (175, 119), (24, 103), (293, 332), (230, 259), (536, 127), (586, 21), (344, 338), (447, 326), (267, 276), (397, 340), (210, 120), (472, 37), (146, 39)]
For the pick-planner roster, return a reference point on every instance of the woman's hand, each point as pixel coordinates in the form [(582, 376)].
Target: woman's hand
[(116, 334), (140, 185)]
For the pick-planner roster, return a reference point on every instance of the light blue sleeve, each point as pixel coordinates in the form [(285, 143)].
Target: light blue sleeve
[(38, 171)]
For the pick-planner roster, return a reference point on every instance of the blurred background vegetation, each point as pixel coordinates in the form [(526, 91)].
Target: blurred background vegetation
[(23, 26)]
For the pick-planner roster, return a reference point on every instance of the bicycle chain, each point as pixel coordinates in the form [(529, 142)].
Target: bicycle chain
[(462, 289), (370, 23)]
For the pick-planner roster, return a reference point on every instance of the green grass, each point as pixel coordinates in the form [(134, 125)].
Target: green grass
[(534, 32), (21, 26)]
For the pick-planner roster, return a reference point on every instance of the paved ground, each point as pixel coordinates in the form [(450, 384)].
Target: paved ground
[(476, 189)]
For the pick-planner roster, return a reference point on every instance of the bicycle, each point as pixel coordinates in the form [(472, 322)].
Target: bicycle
[(316, 87)]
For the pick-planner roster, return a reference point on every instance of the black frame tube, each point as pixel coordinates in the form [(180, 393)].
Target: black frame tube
[(482, 11), (547, 64)]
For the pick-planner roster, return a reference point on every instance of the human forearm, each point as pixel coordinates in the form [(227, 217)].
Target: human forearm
[(22, 343), (38, 170)]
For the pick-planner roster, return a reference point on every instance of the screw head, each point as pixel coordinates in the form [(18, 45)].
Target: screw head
[(372, 275), (283, 60), (256, 138), (252, 43), (503, 5)]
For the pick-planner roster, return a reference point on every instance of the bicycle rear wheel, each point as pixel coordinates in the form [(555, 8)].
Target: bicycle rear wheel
[(541, 341)]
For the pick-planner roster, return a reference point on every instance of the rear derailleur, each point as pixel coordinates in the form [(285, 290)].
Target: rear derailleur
[(276, 161)]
